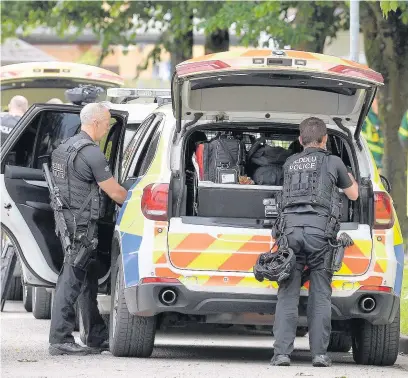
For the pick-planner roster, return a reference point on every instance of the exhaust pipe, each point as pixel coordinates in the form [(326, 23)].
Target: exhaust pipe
[(367, 304), (168, 297)]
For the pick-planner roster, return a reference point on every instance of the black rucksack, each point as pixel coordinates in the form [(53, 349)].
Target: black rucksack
[(221, 160)]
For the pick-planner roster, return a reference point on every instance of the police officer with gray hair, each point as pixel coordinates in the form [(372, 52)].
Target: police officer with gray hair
[(79, 171), (17, 107), (310, 219)]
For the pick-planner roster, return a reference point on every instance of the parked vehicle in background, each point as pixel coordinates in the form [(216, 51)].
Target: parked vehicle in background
[(47, 125), (41, 81)]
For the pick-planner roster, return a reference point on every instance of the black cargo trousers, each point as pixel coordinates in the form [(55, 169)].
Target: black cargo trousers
[(310, 247), (74, 285)]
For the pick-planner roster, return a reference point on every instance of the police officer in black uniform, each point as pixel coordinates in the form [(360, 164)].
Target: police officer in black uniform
[(80, 169), (311, 212), (16, 108)]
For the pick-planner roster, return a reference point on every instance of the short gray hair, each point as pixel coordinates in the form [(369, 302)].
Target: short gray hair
[(93, 111), (54, 101), (19, 103)]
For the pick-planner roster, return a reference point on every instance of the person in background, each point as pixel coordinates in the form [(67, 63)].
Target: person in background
[(373, 134), (54, 101), (403, 138), (17, 107), (403, 131)]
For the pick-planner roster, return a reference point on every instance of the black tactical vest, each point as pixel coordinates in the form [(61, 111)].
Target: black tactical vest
[(81, 197), (307, 182)]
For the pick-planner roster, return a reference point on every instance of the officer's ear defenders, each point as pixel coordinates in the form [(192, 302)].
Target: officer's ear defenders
[(275, 266)]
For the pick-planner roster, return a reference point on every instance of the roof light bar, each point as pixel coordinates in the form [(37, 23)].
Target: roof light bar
[(164, 100), (209, 65), (129, 92)]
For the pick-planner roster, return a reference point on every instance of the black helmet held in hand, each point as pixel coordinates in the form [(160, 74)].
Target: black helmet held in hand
[(275, 266)]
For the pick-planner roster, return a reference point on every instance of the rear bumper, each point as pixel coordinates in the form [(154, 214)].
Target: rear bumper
[(143, 300)]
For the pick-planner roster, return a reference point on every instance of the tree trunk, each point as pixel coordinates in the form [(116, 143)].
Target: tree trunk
[(182, 45), (217, 41), (386, 49), (312, 14)]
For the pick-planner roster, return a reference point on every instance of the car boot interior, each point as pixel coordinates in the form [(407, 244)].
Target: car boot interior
[(260, 177)]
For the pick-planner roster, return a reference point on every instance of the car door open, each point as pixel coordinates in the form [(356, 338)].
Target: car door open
[(27, 217)]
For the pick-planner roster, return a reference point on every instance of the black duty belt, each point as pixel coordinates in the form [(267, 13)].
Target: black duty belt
[(306, 220)]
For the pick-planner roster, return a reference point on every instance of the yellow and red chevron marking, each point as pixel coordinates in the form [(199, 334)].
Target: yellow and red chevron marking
[(239, 252), (251, 282), (219, 281), (225, 252), (357, 258), (380, 251), (160, 243)]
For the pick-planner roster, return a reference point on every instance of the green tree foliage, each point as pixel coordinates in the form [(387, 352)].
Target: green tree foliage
[(303, 25), (385, 28), (300, 24)]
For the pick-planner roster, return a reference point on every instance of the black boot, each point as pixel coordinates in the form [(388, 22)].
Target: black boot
[(280, 360), (67, 348), (100, 348), (322, 360)]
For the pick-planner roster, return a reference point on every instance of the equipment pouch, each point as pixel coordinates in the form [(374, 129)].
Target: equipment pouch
[(85, 252), (334, 260), (337, 261), (332, 228)]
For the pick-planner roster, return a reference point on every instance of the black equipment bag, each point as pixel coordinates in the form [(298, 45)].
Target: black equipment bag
[(268, 175), (261, 154), (221, 160)]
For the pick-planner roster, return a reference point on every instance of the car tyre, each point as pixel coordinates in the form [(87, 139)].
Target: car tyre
[(28, 298), (41, 303), (105, 318), (376, 344), (129, 335), (339, 342), (15, 292)]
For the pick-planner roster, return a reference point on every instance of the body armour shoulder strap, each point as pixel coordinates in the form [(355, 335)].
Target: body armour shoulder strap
[(307, 182)]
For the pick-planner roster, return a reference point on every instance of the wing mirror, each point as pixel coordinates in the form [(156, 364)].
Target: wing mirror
[(385, 183)]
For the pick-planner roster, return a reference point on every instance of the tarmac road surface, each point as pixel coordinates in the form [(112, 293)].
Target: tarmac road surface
[(178, 353)]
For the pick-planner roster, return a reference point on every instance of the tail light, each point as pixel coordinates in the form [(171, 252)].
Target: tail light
[(209, 65), (7, 75), (147, 280), (155, 201), (358, 72), (383, 211), (384, 289)]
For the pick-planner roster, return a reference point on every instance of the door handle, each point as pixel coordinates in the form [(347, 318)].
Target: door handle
[(7, 206)]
